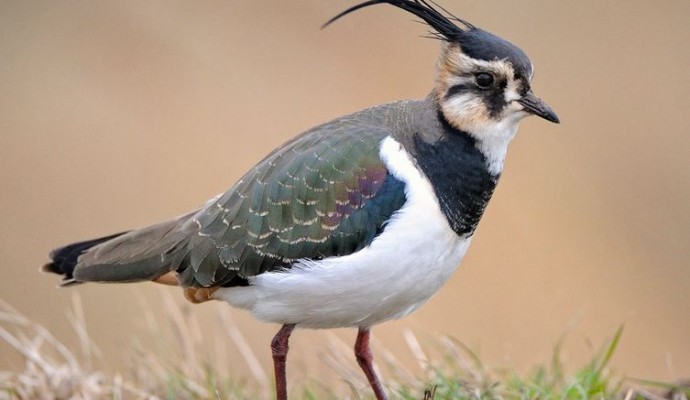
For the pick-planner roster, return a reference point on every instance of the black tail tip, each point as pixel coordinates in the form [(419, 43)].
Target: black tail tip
[(65, 259), (54, 268), (51, 268)]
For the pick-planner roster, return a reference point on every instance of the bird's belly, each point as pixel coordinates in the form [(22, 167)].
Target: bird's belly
[(387, 280), (401, 269)]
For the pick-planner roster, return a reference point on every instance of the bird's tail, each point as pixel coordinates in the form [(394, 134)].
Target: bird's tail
[(64, 259), (139, 255)]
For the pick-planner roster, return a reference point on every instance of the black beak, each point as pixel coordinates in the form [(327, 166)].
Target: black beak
[(535, 105)]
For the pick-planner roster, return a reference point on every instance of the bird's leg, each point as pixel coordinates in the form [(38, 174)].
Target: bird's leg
[(279, 347), (364, 359)]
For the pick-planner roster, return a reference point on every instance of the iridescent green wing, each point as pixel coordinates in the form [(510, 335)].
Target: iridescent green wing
[(326, 193)]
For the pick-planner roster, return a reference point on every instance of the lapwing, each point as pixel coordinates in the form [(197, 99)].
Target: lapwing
[(354, 222)]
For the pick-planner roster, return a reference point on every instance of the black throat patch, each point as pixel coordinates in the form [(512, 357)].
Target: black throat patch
[(458, 173)]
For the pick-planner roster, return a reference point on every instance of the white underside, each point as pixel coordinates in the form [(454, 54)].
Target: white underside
[(401, 269)]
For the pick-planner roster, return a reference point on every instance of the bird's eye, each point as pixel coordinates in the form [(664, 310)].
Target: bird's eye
[(484, 80)]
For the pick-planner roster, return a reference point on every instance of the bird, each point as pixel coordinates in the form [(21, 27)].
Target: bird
[(354, 222)]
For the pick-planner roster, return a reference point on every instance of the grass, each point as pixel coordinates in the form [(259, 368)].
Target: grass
[(175, 370)]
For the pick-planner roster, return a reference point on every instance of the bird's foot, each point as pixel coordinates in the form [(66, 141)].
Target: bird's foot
[(279, 348)]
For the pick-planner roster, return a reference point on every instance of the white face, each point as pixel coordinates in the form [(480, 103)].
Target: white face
[(480, 97)]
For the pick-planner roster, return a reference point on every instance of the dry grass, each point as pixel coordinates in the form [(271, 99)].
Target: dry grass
[(174, 368), (51, 370), (178, 369)]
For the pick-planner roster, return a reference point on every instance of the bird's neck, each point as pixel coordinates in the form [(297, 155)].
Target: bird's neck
[(493, 142), (457, 168), (491, 136)]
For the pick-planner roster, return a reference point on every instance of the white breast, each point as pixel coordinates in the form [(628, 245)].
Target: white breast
[(401, 269)]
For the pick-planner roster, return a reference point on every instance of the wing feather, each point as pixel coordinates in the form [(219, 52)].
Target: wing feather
[(326, 193)]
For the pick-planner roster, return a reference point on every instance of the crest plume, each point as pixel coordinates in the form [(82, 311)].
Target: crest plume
[(443, 24)]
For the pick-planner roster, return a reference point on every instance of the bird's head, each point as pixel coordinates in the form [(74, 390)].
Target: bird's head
[(483, 81)]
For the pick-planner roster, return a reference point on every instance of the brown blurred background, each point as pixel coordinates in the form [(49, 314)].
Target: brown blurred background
[(117, 114)]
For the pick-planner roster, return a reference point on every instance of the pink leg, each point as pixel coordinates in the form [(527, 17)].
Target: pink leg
[(364, 359), (279, 347)]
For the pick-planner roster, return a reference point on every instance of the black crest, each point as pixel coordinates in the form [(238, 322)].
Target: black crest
[(475, 42), (441, 23)]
